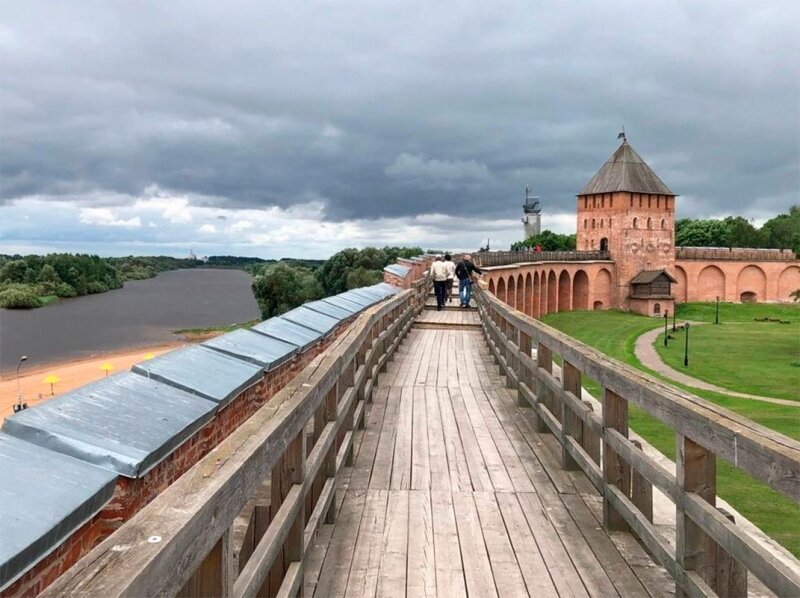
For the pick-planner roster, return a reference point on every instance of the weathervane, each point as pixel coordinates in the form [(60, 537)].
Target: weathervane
[(622, 134)]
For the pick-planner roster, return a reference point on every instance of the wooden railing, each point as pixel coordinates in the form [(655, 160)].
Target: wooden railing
[(182, 543), (504, 258), (711, 554)]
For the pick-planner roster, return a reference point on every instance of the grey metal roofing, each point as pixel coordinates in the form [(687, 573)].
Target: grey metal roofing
[(343, 303), (256, 348), (386, 288), (125, 423), (359, 298), (202, 371), (648, 276), (398, 270), (625, 171), (369, 293), (44, 497), (289, 332), (329, 309), (311, 319)]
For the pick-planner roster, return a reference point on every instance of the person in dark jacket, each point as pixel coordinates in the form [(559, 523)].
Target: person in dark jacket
[(464, 270)]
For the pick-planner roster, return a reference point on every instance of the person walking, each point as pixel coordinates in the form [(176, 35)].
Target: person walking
[(451, 275), (439, 274), (464, 271)]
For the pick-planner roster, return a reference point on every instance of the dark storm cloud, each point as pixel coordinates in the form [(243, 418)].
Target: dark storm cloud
[(397, 109)]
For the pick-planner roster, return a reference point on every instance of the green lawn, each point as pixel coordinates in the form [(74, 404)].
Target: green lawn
[(761, 358), (738, 312), (615, 332)]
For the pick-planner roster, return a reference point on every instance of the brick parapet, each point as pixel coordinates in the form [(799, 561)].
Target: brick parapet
[(133, 494)]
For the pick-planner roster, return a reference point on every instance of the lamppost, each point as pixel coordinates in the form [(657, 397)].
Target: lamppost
[(20, 405), (674, 315), (716, 318), (666, 324), (686, 349)]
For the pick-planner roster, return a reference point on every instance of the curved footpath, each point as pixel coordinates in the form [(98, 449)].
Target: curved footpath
[(646, 353)]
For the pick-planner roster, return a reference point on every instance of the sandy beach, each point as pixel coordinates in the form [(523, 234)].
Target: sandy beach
[(72, 374)]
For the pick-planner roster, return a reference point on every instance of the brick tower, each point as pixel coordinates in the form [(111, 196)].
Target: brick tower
[(627, 210)]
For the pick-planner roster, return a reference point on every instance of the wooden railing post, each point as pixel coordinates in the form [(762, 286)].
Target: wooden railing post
[(731, 574), (524, 372), (295, 473), (544, 360), (696, 473), (590, 439), (215, 575), (641, 490), (616, 472), (570, 382), (512, 356), (331, 400)]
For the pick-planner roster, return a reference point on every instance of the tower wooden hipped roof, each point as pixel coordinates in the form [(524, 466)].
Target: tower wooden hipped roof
[(626, 171)]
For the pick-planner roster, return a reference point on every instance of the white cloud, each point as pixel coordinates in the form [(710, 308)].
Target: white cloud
[(240, 225), (209, 229), (106, 217), (418, 170)]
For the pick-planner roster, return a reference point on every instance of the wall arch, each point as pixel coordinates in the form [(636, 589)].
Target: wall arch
[(529, 294), (520, 301), (598, 305), (580, 290), (602, 289), (681, 287), (552, 293), (751, 280), (501, 289), (564, 292), (711, 283), (788, 282), (537, 296), (492, 287), (511, 292)]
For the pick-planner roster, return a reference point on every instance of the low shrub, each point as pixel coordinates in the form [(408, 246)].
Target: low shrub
[(19, 297)]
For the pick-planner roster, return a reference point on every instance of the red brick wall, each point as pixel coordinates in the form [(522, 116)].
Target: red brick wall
[(131, 495)]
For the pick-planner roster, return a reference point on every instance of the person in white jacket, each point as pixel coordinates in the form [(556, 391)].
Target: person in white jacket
[(451, 275), (439, 273)]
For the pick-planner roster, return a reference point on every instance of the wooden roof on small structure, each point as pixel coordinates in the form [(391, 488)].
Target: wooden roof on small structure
[(649, 276), (626, 171)]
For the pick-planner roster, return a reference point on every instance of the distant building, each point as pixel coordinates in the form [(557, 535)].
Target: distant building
[(627, 211), (531, 215)]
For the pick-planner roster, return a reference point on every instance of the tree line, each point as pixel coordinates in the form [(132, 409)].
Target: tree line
[(278, 288), (34, 280)]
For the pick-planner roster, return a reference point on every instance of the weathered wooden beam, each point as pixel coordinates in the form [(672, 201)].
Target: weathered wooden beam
[(571, 383), (616, 472), (697, 474), (641, 489)]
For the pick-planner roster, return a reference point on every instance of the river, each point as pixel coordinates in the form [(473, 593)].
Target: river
[(142, 313)]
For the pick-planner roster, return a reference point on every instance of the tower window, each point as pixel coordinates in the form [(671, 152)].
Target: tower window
[(658, 202), (640, 201), (593, 223), (611, 202), (601, 223), (663, 224), (604, 244), (585, 203), (635, 223), (649, 202), (631, 200), (603, 201), (610, 220), (649, 223), (585, 223)]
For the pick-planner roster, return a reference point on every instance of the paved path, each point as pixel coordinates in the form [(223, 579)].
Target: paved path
[(646, 353)]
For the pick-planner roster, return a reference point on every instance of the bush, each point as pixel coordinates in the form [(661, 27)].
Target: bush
[(19, 297), (95, 286), (65, 290)]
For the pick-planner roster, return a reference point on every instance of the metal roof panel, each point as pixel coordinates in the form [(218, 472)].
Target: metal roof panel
[(345, 304), (289, 332), (256, 348), (44, 497), (202, 371), (329, 309), (311, 319), (125, 423)]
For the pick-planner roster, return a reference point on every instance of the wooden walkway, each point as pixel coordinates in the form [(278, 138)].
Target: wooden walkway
[(453, 493)]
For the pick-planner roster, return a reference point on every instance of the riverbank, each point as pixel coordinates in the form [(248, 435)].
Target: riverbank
[(72, 374)]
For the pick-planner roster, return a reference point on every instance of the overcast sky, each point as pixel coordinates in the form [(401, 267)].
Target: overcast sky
[(267, 129)]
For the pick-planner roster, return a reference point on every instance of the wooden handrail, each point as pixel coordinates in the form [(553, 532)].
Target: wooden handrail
[(623, 473), (182, 541)]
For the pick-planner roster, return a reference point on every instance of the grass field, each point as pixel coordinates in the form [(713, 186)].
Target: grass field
[(760, 358), (615, 334), (738, 312)]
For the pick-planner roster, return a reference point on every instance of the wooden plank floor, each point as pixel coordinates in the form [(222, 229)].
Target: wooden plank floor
[(452, 493)]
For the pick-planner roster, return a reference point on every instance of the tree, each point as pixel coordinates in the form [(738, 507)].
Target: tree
[(795, 295), (783, 231), (742, 233), (280, 288), (548, 241), (19, 296), (701, 233), (361, 277), (13, 271)]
